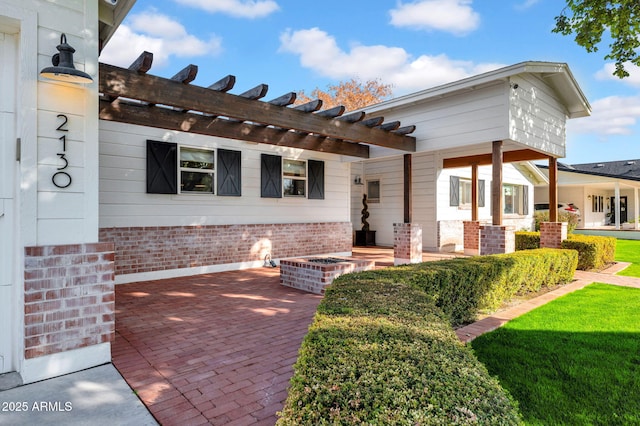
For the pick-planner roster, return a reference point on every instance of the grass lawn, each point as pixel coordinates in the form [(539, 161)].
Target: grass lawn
[(629, 251), (575, 360)]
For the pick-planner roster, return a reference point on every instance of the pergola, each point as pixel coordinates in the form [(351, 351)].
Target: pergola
[(130, 95)]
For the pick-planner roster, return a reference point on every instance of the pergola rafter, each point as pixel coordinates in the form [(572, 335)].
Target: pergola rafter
[(132, 96)]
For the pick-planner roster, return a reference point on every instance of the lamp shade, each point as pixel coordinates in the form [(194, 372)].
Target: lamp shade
[(63, 68)]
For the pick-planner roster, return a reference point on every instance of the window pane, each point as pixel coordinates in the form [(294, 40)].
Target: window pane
[(294, 187), (294, 168), (465, 192), (511, 199), (193, 158), (196, 182), (373, 190)]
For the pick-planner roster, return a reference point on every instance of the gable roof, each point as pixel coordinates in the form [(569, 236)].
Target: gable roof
[(556, 74)]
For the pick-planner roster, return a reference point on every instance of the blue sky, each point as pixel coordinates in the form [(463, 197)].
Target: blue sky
[(294, 45)]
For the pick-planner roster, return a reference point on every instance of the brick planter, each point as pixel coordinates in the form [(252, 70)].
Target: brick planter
[(552, 234), (471, 238), (497, 239), (407, 243), (314, 276)]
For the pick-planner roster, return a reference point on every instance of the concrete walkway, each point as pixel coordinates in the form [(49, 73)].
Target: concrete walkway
[(94, 397), (582, 279)]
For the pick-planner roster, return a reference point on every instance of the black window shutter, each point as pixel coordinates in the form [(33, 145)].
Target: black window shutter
[(525, 200), (229, 173), (316, 179), (270, 176), (162, 167), (454, 191), (481, 193)]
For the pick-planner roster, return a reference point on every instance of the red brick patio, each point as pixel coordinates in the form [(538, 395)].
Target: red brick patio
[(216, 348), (211, 349)]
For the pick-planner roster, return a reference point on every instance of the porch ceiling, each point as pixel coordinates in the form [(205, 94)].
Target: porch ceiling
[(132, 96)]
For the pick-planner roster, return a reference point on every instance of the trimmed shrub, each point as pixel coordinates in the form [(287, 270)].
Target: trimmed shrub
[(380, 352), (462, 287), (594, 252), (527, 240)]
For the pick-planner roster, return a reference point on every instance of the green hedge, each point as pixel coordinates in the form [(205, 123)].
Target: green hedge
[(527, 240), (462, 287), (379, 352), (594, 252)]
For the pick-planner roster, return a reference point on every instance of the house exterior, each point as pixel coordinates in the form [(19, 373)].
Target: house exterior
[(606, 193), (99, 187)]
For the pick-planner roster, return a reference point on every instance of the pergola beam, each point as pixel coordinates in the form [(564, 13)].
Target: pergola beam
[(170, 119), (119, 82), (486, 159)]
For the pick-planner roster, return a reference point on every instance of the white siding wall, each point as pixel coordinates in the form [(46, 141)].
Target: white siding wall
[(124, 201), (390, 209), (53, 215), (536, 117), (461, 119)]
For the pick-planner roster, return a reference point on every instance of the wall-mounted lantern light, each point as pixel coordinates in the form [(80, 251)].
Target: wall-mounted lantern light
[(63, 69)]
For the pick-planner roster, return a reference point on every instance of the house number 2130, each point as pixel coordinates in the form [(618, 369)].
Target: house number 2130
[(61, 178)]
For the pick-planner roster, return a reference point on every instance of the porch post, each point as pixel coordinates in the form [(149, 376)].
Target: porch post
[(408, 207), (407, 236), (617, 205), (496, 183), (552, 233), (496, 238), (471, 229), (474, 192), (636, 211), (553, 189)]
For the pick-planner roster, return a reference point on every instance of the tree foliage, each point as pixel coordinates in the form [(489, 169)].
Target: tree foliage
[(589, 19), (352, 94)]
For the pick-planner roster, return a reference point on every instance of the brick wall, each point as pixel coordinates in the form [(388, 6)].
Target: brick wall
[(407, 243), (147, 249), (497, 239), (69, 297)]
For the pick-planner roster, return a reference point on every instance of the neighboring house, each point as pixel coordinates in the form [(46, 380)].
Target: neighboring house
[(606, 193), (133, 177)]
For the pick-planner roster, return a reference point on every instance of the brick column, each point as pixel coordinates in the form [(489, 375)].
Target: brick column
[(407, 243), (552, 234), (471, 241), (69, 299), (497, 239)]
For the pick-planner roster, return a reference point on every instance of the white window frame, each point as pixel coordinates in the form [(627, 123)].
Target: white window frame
[(304, 178), (370, 198), (597, 203), (464, 193), (211, 172), (518, 204)]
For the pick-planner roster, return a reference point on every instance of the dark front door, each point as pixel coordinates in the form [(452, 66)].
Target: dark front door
[(623, 209)]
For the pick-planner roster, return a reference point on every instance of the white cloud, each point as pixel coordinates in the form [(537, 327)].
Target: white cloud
[(606, 73), (613, 115), (392, 65), (454, 16), (158, 34), (526, 4), (238, 8)]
